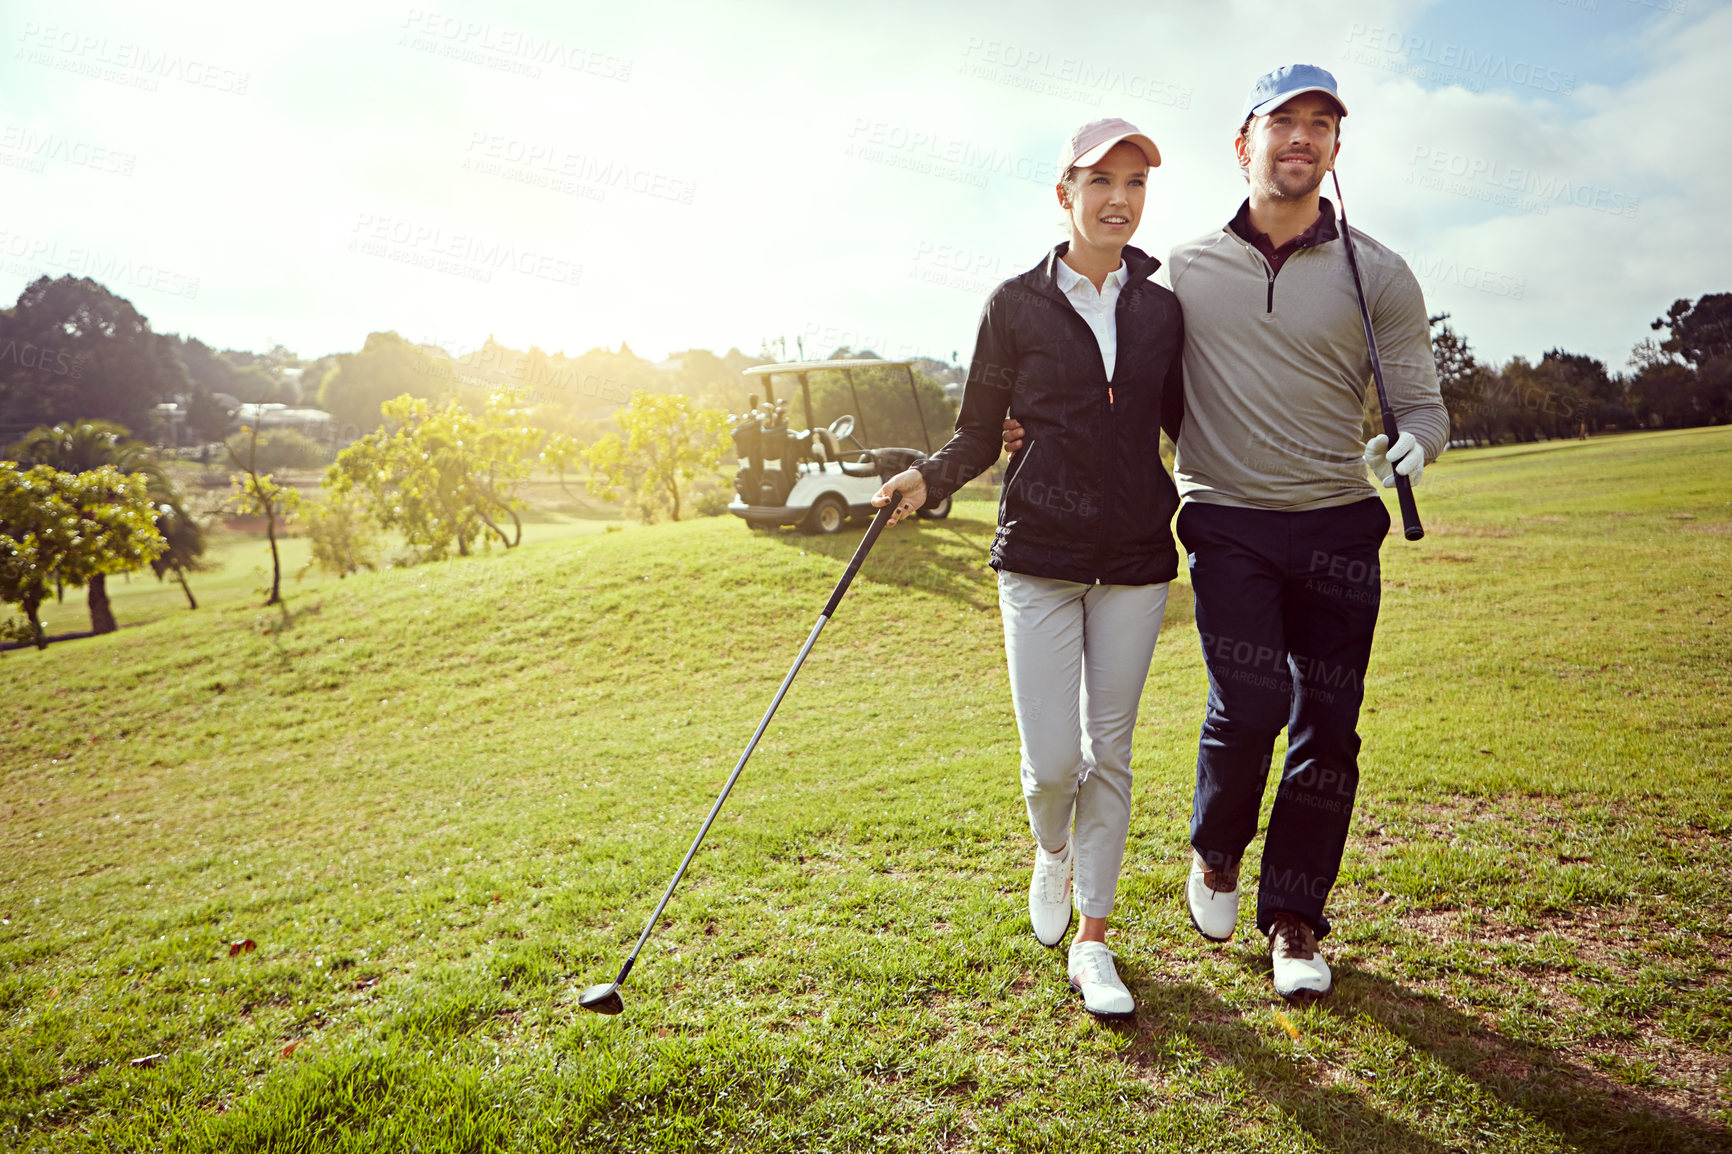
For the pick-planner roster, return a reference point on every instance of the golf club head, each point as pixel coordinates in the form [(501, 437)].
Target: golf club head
[(602, 999)]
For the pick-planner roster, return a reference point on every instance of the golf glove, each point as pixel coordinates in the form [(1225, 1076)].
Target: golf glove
[(1404, 457)]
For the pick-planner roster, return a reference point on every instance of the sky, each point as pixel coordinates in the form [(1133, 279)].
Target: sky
[(703, 175)]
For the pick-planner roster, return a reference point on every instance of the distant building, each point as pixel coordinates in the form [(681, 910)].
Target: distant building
[(314, 423)]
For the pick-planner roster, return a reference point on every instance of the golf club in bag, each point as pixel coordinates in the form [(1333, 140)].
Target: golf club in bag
[(604, 998), (1410, 526)]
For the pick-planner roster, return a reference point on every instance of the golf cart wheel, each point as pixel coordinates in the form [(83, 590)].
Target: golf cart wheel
[(936, 512), (828, 515)]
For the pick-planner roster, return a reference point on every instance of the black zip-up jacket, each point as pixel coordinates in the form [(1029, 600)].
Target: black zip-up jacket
[(1087, 498)]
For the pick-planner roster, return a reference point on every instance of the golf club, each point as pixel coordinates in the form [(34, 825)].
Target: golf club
[(1410, 526), (604, 998)]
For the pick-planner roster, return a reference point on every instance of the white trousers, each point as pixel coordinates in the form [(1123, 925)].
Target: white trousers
[(1079, 655)]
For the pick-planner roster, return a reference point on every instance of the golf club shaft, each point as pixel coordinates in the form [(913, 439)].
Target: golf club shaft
[(1410, 526), (866, 542)]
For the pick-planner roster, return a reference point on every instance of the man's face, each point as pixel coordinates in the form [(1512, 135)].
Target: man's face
[(1108, 200), (1286, 154)]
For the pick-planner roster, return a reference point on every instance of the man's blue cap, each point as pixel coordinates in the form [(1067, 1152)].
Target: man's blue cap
[(1273, 89)]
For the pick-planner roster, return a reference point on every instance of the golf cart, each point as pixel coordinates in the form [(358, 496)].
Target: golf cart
[(810, 478)]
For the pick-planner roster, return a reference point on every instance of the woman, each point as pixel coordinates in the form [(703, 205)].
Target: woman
[(1083, 349)]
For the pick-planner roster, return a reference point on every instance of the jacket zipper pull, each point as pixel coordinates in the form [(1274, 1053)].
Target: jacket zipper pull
[(1110, 407)]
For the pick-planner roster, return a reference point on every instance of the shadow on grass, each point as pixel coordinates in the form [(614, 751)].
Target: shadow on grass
[(1336, 1116), (1584, 1107)]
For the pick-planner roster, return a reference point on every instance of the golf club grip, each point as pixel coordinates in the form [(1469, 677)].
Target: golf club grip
[(1410, 526), (878, 522)]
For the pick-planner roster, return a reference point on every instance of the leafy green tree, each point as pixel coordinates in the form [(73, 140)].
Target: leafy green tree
[(70, 350), (1595, 398), (33, 535), (1698, 332), (216, 372), (344, 535), (81, 446), (72, 527), (184, 540), (206, 417), (282, 449), (666, 443), (259, 494), (445, 476), (1461, 379), (387, 366)]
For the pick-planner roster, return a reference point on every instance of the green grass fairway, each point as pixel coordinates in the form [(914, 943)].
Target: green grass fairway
[(442, 800)]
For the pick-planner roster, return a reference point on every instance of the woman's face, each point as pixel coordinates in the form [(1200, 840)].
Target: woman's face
[(1107, 202)]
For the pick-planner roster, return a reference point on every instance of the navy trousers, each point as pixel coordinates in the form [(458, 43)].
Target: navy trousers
[(1286, 606)]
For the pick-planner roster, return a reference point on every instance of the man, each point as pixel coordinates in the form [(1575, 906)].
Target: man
[(1281, 526)]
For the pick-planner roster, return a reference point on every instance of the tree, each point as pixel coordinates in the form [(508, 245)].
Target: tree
[(285, 449), (443, 477), (344, 535), (33, 521), (666, 441), (387, 366), (259, 495), (72, 350), (1686, 378), (213, 372), (1668, 395), (71, 527), (81, 446), (183, 538), (1461, 380), (1596, 400), (207, 417), (1698, 332)]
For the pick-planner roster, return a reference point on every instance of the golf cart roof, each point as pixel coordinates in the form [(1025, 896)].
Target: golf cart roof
[(819, 366)]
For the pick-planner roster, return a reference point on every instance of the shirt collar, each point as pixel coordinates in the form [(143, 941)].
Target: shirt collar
[(1322, 229), (1068, 278)]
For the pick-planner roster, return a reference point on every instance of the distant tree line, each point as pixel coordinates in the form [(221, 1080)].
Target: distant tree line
[(1683, 379)]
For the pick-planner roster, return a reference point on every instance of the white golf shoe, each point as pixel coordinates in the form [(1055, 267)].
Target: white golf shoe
[(1093, 975), (1049, 901), (1212, 896), (1300, 971)]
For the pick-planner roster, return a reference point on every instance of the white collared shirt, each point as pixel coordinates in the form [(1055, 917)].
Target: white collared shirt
[(1099, 309)]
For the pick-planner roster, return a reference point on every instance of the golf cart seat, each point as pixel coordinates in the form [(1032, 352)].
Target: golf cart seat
[(825, 446)]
